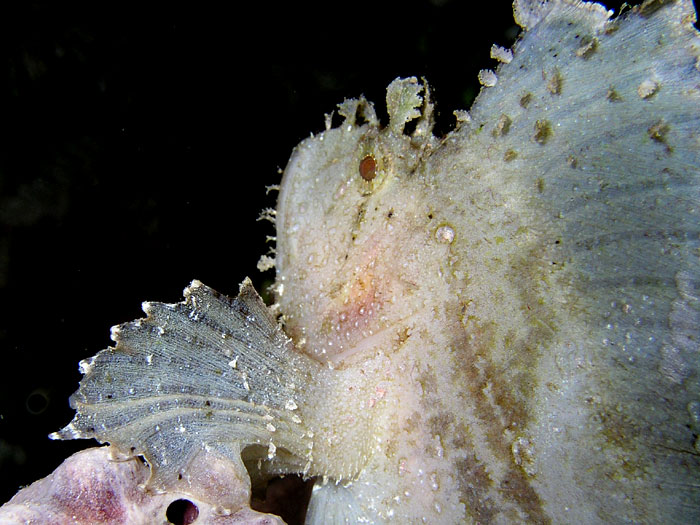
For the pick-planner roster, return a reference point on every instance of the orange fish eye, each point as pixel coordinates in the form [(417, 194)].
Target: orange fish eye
[(368, 168)]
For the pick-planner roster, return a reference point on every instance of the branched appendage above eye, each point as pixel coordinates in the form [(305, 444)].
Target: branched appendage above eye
[(404, 102)]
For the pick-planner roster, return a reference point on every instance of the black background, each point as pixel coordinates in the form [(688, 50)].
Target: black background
[(136, 143)]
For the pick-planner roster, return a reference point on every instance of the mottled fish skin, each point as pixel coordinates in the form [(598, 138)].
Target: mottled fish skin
[(497, 326), (520, 297)]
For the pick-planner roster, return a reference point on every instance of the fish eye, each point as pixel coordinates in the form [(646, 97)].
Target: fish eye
[(368, 168)]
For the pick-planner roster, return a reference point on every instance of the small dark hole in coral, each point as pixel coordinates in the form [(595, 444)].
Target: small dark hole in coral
[(287, 497), (182, 512)]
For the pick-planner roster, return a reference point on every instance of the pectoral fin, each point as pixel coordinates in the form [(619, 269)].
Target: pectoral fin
[(210, 374)]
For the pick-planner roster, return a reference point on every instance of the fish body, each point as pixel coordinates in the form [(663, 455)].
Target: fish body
[(497, 326)]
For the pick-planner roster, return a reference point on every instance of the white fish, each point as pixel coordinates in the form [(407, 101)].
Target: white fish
[(497, 326)]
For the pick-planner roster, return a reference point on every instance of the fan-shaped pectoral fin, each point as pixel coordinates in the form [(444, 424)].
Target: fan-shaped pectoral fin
[(191, 385)]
